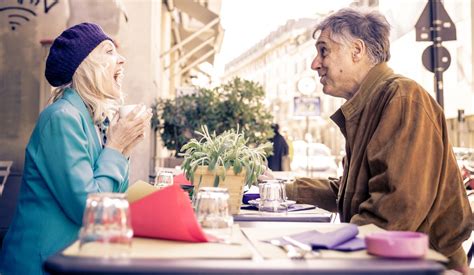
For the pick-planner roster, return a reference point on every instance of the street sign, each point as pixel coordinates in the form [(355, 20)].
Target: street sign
[(441, 22), (436, 26), (306, 106), (443, 59)]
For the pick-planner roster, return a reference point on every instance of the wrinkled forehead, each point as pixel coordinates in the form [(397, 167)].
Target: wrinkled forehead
[(323, 37), (327, 37)]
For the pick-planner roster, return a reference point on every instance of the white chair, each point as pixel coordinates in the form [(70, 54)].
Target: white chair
[(5, 166)]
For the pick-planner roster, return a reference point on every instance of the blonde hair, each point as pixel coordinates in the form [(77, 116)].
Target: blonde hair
[(88, 81)]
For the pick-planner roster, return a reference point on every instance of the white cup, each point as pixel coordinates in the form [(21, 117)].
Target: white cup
[(125, 109)]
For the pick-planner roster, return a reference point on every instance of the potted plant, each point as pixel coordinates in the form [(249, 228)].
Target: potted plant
[(224, 160)]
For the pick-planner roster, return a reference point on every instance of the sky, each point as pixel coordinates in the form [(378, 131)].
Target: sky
[(246, 22)]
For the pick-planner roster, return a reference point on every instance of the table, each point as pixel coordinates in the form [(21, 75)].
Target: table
[(61, 264)]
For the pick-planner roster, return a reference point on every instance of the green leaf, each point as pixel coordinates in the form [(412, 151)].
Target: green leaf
[(216, 181)]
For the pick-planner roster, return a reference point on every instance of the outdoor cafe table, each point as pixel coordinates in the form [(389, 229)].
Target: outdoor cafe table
[(257, 264)]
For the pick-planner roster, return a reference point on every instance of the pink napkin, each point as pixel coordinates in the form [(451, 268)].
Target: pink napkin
[(166, 214)]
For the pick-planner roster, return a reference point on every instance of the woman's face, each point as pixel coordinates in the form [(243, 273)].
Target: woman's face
[(114, 70)]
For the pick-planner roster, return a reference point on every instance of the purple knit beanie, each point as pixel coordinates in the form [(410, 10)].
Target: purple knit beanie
[(69, 49)]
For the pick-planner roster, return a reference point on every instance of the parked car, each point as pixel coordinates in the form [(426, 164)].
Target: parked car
[(313, 158)]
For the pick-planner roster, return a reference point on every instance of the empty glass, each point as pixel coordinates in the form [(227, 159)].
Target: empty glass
[(272, 198), (106, 226), (164, 179), (212, 213)]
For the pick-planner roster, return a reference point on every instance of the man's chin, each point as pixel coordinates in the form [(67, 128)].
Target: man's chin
[(326, 90), (330, 92)]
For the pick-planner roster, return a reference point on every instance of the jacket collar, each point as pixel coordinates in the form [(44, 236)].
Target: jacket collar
[(354, 105), (366, 89), (73, 97)]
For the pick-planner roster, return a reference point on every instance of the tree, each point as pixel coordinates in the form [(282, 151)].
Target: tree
[(238, 103)]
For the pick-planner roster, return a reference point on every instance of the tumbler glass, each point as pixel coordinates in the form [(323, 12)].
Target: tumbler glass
[(106, 227), (212, 213), (272, 198)]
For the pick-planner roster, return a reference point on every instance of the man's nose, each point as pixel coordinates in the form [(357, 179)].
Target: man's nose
[(316, 64)]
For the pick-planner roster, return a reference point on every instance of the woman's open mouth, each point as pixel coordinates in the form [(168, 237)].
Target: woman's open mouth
[(118, 76)]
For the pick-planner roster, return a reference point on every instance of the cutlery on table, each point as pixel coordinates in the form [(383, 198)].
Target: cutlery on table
[(305, 248), (291, 251)]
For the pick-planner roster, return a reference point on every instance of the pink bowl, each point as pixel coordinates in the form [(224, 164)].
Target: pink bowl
[(397, 244)]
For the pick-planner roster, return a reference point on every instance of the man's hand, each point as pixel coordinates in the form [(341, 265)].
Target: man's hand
[(267, 175)]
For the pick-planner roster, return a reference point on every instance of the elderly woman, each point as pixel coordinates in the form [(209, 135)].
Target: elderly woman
[(74, 149)]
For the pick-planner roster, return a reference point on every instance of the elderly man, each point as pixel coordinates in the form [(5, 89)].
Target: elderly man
[(400, 172)]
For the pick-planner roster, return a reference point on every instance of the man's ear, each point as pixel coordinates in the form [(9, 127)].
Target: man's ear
[(358, 50)]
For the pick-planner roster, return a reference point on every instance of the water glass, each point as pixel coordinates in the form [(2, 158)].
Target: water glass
[(106, 226), (212, 213), (272, 198), (164, 179)]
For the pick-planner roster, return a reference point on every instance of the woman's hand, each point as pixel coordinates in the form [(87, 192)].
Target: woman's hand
[(125, 133)]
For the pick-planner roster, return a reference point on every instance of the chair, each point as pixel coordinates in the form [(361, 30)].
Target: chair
[(5, 166)]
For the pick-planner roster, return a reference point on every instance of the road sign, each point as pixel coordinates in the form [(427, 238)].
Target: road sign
[(443, 59), (306, 106), (435, 18)]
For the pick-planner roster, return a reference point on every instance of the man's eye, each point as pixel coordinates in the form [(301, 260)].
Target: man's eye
[(323, 51), (110, 51)]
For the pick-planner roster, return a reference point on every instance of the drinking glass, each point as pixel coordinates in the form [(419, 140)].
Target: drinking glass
[(106, 226), (212, 213), (164, 179), (272, 198)]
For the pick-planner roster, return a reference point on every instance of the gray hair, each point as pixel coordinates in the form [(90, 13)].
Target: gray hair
[(370, 26)]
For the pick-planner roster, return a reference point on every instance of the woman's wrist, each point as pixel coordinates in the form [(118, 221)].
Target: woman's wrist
[(115, 147)]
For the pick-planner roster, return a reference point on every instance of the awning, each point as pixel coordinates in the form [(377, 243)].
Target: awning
[(198, 35)]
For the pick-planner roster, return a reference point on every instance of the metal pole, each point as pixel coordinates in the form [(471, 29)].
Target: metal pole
[(438, 73)]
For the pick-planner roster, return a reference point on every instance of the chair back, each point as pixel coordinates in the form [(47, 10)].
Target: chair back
[(5, 166)]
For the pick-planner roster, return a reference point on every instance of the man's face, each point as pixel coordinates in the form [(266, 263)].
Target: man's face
[(335, 66)]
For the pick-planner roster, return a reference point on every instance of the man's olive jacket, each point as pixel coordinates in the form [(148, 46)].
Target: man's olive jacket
[(400, 172)]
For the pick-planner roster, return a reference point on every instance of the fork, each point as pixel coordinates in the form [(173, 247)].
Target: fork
[(304, 247), (291, 251)]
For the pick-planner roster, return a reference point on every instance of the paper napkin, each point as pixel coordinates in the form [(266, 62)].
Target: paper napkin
[(164, 214)]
